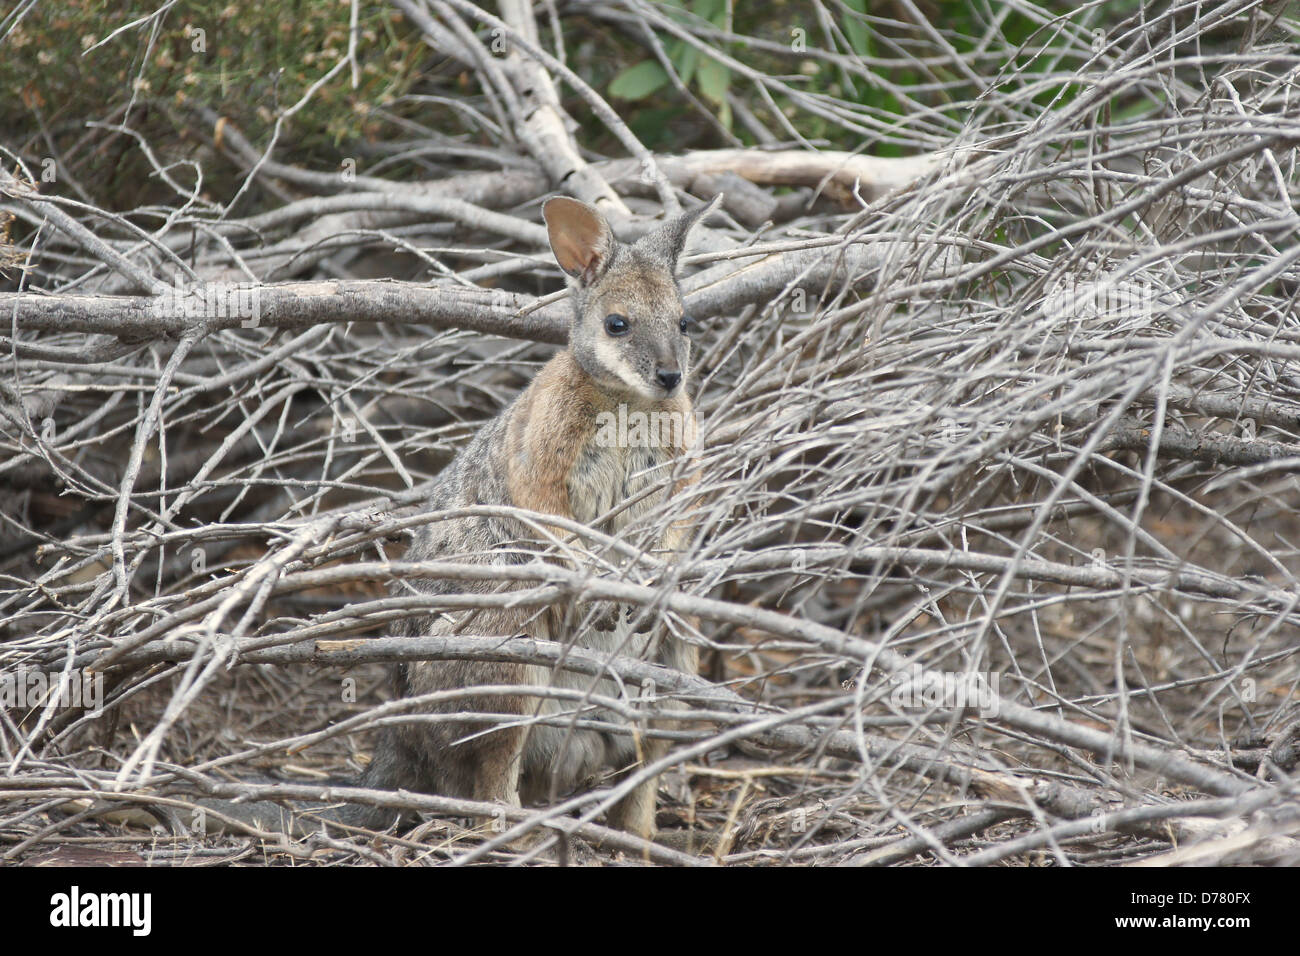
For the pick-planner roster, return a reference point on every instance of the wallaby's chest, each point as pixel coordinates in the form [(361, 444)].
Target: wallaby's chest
[(612, 484), (572, 451)]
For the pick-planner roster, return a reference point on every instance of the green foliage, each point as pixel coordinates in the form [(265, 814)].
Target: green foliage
[(638, 81), (902, 76), (245, 61), (248, 62), (647, 77)]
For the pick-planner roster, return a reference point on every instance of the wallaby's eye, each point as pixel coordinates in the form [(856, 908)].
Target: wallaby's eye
[(686, 323), (616, 325)]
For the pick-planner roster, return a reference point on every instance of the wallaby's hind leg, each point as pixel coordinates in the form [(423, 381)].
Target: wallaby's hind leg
[(463, 758), (485, 769), (440, 752), (496, 767), (635, 813)]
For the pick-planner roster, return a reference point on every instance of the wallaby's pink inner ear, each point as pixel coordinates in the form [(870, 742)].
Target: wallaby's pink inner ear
[(580, 237)]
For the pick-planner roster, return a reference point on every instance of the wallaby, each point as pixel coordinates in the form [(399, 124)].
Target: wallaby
[(628, 352)]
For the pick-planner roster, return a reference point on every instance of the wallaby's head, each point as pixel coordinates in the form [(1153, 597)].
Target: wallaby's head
[(629, 332)]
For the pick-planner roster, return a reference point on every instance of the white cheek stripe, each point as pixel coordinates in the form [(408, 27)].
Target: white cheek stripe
[(611, 359)]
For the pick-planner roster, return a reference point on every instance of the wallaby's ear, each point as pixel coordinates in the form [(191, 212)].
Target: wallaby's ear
[(580, 238), (668, 241)]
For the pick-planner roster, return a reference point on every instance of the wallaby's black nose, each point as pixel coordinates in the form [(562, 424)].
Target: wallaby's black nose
[(668, 380)]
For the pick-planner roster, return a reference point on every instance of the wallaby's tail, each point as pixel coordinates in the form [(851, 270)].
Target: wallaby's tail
[(300, 818), (222, 815), (396, 765), (296, 819)]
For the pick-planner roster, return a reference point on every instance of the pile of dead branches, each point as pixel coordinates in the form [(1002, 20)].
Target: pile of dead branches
[(995, 539)]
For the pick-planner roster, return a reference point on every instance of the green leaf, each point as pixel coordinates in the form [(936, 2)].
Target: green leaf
[(686, 63), (714, 78), (856, 31), (709, 9), (638, 81)]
